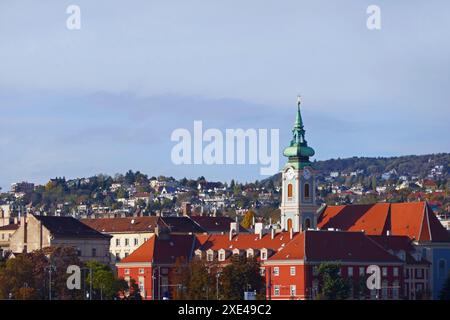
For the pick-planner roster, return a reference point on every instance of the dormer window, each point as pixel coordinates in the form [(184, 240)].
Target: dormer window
[(209, 255), (236, 251), (198, 253), (222, 255), (250, 253)]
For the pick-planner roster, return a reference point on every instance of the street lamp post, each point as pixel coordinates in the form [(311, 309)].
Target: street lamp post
[(90, 283), (50, 269), (217, 285)]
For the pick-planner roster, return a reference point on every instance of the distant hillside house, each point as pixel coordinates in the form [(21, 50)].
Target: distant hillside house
[(38, 232)]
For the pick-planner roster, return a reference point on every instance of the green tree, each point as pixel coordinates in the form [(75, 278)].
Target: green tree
[(241, 275), (192, 280), (332, 285), (104, 282)]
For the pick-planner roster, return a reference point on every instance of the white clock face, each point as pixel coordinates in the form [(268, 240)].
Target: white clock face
[(290, 174), (306, 174)]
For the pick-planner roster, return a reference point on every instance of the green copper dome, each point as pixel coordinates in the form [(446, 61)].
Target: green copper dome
[(298, 150)]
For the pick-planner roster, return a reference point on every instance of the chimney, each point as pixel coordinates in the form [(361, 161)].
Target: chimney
[(291, 233), (253, 221), (259, 229), (272, 233), (234, 229), (186, 208)]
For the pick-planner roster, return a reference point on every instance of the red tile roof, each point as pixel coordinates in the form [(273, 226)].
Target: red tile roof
[(215, 224), (163, 250), (343, 246), (131, 224), (7, 227), (399, 243), (244, 241), (371, 218), (413, 219)]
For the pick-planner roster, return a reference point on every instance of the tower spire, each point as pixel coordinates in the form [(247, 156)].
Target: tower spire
[(298, 149), (298, 119)]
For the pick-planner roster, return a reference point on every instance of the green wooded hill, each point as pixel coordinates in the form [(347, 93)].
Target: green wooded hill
[(412, 166)]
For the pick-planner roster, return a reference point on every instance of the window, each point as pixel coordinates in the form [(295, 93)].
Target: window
[(362, 271), (396, 272), (141, 270), (442, 269), (221, 256), (141, 285), (419, 274), (292, 271), (117, 256), (289, 224), (127, 242), (117, 242), (94, 252), (419, 287), (249, 253), (126, 254), (210, 256), (262, 272), (384, 271), (290, 190), (384, 287), (293, 290), (306, 190), (276, 271), (136, 241), (350, 271), (307, 224), (276, 290), (264, 255), (145, 239), (395, 289), (315, 271), (126, 271)]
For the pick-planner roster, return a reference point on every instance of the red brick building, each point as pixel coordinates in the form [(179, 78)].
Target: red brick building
[(288, 260), (152, 264)]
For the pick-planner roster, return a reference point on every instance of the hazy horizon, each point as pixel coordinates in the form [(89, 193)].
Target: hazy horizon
[(105, 98)]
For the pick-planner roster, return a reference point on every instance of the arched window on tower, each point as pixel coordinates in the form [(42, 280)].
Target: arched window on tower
[(307, 191), (289, 190), (289, 225), (307, 223)]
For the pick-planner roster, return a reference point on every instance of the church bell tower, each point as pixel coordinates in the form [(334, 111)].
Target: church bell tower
[(298, 198)]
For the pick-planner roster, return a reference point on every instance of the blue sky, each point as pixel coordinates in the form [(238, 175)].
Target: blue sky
[(105, 99)]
